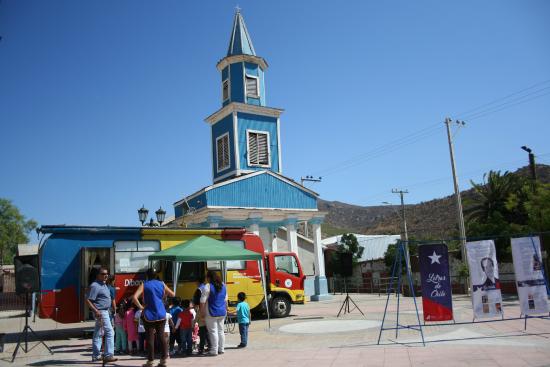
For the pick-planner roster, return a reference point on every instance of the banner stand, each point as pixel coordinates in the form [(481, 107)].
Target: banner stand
[(401, 253)]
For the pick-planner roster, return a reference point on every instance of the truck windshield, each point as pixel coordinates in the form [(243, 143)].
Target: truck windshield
[(287, 264)]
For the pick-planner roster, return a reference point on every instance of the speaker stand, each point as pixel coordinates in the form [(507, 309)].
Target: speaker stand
[(346, 304), (25, 333)]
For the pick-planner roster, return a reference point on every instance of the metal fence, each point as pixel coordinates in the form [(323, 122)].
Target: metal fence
[(9, 300), (380, 285)]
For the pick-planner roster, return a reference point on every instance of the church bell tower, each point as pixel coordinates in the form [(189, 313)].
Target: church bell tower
[(245, 132)]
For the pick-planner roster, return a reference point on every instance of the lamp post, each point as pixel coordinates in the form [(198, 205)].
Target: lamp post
[(143, 212), (532, 166)]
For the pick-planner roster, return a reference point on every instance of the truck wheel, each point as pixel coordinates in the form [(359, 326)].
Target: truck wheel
[(280, 306)]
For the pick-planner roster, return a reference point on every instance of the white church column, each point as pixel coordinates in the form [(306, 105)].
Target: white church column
[(319, 257), (273, 238), (254, 220), (320, 282), (292, 236)]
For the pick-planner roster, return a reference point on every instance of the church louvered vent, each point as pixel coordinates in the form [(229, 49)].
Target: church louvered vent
[(252, 86), (222, 150), (258, 149), (225, 90)]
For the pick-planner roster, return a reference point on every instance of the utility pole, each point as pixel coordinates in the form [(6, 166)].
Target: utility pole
[(404, 235), (460, 215), (310, 179)]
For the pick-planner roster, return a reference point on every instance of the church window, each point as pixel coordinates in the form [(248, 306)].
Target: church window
[(258, 149), (252, 86), (225, 90), (222, 152)]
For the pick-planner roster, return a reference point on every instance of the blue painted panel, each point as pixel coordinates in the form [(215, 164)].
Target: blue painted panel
[(258, 123), (261, 191), (254, 101), (251, 69), (199, 201), (225, 73), (178, 211), (60, 256), (223, 126), (237, 80)]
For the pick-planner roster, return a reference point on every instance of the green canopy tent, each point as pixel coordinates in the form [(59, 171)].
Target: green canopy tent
[(205, 248)]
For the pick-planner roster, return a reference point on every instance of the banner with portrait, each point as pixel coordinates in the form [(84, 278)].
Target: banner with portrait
[(530, 281), (437, 302), (484, 278)]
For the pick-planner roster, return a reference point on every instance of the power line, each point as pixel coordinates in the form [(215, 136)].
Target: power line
[(462, 115), (430, 130)]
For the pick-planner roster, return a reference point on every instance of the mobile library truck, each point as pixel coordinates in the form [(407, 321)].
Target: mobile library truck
[(71, 256)]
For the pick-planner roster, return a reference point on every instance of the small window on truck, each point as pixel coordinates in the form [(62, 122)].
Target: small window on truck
[(189, 272), (133, 256), (230, 264), (287, 264)]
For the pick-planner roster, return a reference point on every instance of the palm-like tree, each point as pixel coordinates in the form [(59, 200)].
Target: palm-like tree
[(491, 196)]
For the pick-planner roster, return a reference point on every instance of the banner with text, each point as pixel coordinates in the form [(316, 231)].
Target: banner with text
[(529, 275), (437, 302), (482, 262)]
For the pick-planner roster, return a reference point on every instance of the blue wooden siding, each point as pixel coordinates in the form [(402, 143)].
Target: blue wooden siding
[(254, 101), (236, 84), (225, 73), (251, 69), (223, 126), (259, 123), (261, 191), (197, 202)]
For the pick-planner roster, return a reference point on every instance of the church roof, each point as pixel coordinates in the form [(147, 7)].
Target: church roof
[(240, 42), (250, 188)]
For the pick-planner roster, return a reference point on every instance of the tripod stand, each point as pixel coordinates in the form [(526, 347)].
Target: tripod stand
[(345, 305), (25, 333)]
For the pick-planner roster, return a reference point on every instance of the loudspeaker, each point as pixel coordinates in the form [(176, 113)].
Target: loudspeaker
[(26, 274), (346, 264)]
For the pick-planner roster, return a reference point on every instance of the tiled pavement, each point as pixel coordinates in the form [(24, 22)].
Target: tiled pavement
[(313, 336)]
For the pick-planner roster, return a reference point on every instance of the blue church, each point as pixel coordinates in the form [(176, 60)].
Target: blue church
[(248, 188)]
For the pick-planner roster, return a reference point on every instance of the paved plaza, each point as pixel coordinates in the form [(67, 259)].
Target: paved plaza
[(314, 336)]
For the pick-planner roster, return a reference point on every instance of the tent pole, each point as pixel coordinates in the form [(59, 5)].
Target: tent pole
[(176, 267), (262, 273), (224, 271)]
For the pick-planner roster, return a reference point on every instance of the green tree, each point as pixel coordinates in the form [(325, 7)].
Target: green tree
[(391, 253), (538, 208), (497, 208), (348, 244), (14, 228)]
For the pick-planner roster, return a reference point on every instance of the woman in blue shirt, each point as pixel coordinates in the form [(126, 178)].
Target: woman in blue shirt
[(213, 309), (153, 314)]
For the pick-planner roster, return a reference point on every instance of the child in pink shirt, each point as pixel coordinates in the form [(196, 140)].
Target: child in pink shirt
[(131, 330)]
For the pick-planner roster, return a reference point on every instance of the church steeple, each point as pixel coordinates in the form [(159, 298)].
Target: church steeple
[(240, 42), (245, 132)]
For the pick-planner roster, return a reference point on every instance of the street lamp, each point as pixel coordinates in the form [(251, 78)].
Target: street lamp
[(143, 212), (532, 165)]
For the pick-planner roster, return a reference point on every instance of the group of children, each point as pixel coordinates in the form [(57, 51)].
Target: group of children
[(188, 330)]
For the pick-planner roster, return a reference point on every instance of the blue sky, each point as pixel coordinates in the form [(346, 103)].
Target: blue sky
[(102, 102)]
